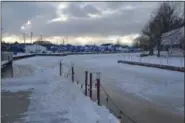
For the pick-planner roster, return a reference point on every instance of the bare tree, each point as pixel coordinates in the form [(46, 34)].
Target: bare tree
[(166, 19), (143, 41), (150, 31), (163, 20)]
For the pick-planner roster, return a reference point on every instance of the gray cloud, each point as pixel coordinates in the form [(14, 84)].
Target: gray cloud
[(116, 5), (123, 22), (75, 10), (15, 14), (91, 9), (104, 26)]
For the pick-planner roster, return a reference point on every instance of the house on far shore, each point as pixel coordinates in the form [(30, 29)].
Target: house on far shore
[(173, 41), (35, 48)]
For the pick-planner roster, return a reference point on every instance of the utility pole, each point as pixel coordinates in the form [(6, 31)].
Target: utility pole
[(40, 37), (1, 34), (67, 39), (1, 25), (40, 40), (24, 37), (31, 37)]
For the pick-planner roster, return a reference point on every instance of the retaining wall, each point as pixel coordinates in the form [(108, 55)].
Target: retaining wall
[(167, 67), (21, 57), (6, 56)]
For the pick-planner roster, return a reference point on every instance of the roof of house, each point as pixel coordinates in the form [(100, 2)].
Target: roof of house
[(173, 37)]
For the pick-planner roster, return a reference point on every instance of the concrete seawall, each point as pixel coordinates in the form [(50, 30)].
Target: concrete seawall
[(6, 56), (167, 67), (6, 61), (21, 57)]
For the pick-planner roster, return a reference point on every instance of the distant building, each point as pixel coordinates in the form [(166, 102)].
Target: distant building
[(35, 48)]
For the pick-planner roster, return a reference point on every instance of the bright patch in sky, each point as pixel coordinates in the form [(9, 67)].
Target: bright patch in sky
[(28, 23), (59, 19), (26, 27), (93, 15), (129, 7), (22, 28), (62, 6)]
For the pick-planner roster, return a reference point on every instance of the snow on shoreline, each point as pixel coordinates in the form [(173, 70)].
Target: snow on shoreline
[(161, 87), (4, 62), (171, 61), (21, 54), (55, 99)]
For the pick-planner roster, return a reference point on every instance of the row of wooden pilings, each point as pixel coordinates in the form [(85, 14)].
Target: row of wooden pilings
[(97, 84), (91, 82)]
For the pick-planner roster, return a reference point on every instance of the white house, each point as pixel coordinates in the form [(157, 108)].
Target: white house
[(174, 39), (35, 48)]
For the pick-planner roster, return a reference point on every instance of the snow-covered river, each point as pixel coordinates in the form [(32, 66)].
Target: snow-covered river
[(147, 95), (142, 92)]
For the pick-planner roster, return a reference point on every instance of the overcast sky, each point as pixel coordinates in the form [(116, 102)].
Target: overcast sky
[(81, 22)]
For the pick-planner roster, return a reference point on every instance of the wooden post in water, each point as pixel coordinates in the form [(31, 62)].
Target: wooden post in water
[(60, 68), (119, 118), (86, 79), (90, 93), (98, 89), (11, 69), (72, 77)]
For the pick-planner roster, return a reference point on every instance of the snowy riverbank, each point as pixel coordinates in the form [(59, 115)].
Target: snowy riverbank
[(162, 87), (147, 95), (163, 60), (53, 98)]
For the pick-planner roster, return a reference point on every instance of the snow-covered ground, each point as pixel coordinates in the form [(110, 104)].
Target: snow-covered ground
[(4, 62), (21, 54), (163, 60), (131, 86), (162, 87), (53, 99)]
